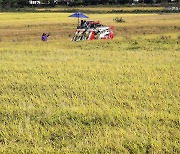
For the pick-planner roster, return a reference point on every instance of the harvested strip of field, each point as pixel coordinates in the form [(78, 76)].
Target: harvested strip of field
[(17, 26)]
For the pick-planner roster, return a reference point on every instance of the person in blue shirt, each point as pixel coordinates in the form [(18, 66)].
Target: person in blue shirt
[(44, 37)]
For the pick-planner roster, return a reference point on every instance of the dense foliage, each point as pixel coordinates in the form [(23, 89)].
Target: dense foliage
[(22, 3)]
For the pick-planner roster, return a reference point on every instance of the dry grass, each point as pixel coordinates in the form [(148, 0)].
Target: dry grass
[(100, 8)]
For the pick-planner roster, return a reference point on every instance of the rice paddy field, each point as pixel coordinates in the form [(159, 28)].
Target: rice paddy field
[(100, 96)]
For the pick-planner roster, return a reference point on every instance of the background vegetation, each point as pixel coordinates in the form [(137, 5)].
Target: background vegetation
[(103, 96), (52, 3)]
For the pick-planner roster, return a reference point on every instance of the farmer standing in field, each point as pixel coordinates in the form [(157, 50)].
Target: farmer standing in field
[(44, 37)]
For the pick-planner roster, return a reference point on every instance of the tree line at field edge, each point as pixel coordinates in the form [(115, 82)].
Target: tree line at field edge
[(26, 3)]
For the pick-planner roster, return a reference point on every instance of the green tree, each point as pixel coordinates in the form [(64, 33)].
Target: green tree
[(8, 3)]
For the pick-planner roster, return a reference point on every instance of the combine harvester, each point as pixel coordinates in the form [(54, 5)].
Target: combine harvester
[(93, 30)]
